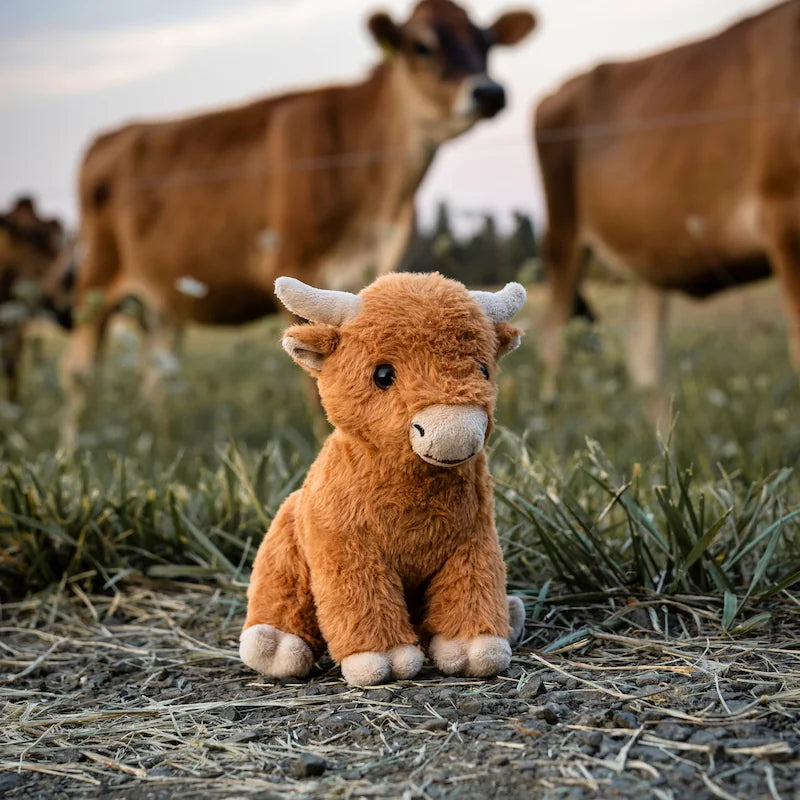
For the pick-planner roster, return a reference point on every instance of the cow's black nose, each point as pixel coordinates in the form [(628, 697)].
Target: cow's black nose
[(489, 98)]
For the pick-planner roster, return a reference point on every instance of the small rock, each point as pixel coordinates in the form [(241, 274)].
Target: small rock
[(362, 733), (533, 687), (526, 766), (498, 760), (591, 739), (648, 678), (624, 719), (708, 736), (651, 715), (308, 766), (767, 688), (734, 706), (470, 705), (420, 697), (672, 731), (608, 748), (434, 724), (229, 713), (380, 695), (658, 755), (159, 772), (344, 720), (548, 712), (593, 719), (245, 735)]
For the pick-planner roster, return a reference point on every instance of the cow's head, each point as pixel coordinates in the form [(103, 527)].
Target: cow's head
[(33, 251), (28, 243), (407, 365), (440, 59)]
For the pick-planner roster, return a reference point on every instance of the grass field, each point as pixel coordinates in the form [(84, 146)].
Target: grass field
[(613, 534), (193, 482)]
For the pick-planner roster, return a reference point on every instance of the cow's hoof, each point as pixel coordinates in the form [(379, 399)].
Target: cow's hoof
[(478, 657), (516, 619), (370, 668), (406, 661), (274, 653), (366, 669)]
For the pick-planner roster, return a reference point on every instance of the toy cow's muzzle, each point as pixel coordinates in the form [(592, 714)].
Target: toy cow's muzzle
[(446, 435)]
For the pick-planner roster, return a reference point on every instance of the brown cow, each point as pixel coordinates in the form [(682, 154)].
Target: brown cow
[(198, 215), (682, 169), (29, 251)]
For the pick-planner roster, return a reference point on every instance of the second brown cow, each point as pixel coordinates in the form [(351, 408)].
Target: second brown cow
[(682, 169)]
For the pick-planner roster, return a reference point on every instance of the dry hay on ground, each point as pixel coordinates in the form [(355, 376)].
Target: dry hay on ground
[(141, 695)]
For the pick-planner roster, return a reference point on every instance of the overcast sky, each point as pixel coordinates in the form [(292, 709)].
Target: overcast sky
[(70, 68)]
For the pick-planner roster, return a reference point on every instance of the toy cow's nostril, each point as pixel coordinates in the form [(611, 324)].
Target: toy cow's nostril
[(420, 429)]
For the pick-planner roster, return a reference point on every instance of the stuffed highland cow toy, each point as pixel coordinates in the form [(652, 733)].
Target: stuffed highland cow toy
[(389, 548)]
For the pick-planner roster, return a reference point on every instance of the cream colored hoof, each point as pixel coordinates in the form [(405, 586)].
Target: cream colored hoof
[(516, 619), (487, 655), (406, 661), (449, 655), (367, 669), (479, 657), (274, 653)]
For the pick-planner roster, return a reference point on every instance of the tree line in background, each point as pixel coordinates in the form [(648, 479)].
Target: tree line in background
[(486, 257)]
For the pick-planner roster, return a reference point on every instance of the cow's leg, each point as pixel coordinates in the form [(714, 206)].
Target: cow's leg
[(11, 353), (783, 247), (645, 347), (281, 636), (99, 291), (565, 260), (366, 623), (79, 364), (160, 358), (468, 613)]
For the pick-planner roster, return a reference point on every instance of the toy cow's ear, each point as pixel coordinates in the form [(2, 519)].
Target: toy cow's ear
[(310, 345), (508, 338)]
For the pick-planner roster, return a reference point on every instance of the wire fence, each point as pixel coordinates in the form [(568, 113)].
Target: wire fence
[(571, 133)]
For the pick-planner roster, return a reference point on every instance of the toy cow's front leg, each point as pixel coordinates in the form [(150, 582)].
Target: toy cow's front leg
[(363, 616), (467, 611)]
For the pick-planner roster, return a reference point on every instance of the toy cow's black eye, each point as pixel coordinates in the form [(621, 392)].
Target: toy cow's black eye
[(485, 371), (383, 376)]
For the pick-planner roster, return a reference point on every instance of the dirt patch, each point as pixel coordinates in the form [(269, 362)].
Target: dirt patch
[(141, 695)]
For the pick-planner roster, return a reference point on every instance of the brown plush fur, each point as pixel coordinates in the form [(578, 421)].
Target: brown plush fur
[(379, 548)]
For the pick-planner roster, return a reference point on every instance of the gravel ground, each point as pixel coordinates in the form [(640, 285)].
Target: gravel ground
[(141, 695)]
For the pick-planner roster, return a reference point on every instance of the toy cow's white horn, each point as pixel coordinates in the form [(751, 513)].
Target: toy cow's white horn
[(503, 305), (317, 305)]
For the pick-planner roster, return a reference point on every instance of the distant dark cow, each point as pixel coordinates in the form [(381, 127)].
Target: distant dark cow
[(197, 216), (29, 250), (682, 169)]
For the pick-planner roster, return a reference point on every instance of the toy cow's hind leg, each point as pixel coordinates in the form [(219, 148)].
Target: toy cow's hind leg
[(281, 636), (468, 613)]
